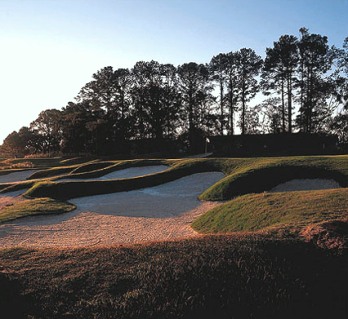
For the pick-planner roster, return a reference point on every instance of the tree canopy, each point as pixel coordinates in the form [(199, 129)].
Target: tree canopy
[(300, 86)]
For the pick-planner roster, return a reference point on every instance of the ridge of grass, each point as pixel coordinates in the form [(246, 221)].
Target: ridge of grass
[(250, 175), (253, 212), (36, 206), (261, 174), (103, 168), (72, 189)]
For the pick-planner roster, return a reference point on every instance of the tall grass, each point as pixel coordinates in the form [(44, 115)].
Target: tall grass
[(213, 277)]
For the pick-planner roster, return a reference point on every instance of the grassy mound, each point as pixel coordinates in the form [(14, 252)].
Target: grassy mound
[(262, 174), (37, 206), (72, 189), (54, 171), (257, 211), (214, 277)]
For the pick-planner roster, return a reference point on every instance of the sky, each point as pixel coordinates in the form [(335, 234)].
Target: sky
[(49, 49)]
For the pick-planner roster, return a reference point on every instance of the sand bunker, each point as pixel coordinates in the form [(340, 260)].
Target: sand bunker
[(16, 176), (305, 184), (165, 200), (127, 173), (163, 212)]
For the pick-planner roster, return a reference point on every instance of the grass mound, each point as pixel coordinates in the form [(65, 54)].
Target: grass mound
[(262, 174), (257, 211), (31, 207), (214, 277), (72, 189)]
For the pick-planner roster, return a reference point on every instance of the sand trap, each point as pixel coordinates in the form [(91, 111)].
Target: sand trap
[(126, 173), (164, 212), (16, 176), (306, 184), (165, 200)]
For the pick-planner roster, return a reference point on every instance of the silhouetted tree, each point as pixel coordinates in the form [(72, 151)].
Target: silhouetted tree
[(19, 143), (270, 113), (195, 93), (248, 67), (217, 68), (278, 74), (316, 60), (48, 127), (155, 99)]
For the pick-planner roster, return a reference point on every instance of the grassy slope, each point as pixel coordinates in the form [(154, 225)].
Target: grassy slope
[(220, 276), (71, 189), (243, 176), (36, 206), (217, 277), (261, 174), (257, 211)]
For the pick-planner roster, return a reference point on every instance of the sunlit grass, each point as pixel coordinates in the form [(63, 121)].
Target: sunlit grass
[(258, 211), (31, 207)]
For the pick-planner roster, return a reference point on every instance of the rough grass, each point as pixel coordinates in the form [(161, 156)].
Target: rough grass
[(258, 211), (42, 162), (30, 207), (214, 277)]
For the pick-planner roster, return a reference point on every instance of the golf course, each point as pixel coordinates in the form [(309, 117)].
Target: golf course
[(254, 237)]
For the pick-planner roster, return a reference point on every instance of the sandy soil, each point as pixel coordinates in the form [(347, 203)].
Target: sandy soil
[(158, 213), (16, 176), (127, 173), (305, 184), (164, 212)]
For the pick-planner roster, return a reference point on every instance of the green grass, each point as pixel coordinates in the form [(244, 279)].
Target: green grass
[(261, 174), (213, 277), (243, 176), (36, 206), (258, 211), (244, 275)]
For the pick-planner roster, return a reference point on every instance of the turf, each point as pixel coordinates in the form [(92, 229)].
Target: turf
[(290, 209), (37, 206), (214, 277), (243, 176)]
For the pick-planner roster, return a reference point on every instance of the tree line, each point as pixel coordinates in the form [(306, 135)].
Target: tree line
[(302, 84)]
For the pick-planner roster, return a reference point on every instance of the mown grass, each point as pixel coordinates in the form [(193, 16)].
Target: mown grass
[(214, 277), (31, 207), (258, 211)]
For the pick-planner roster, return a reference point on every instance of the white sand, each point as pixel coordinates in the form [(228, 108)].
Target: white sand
[(16, 176), (157, 213), (126, 173), (306, 184)]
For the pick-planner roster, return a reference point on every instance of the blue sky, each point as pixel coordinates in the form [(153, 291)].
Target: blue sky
[(50, 48)]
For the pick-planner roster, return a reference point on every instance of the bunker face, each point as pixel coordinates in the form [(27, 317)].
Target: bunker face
[(16, 176), (306, 184), (127, 173), (165, 200)]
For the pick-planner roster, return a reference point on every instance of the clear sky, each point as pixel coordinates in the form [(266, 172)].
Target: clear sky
[(50, 48)]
